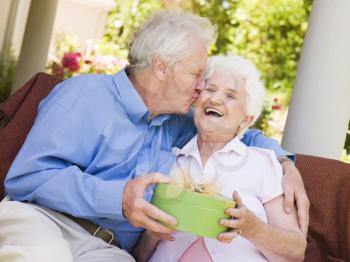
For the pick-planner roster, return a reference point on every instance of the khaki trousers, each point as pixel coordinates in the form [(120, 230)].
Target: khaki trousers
[(30, 233)]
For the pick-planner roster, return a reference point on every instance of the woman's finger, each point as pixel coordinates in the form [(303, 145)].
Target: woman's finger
[(228, 237), (231, 223), (234, 212), (237, 198)]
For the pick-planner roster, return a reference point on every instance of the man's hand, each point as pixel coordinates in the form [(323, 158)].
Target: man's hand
[(138, 211), (156, 237), (294, 191)]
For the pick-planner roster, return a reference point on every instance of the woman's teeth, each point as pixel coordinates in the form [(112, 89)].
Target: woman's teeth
[(213, 112)]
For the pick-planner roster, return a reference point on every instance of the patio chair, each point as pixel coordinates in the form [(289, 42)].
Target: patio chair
[(327, 181)]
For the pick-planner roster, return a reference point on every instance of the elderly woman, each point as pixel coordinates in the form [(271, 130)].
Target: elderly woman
[(260, 230)]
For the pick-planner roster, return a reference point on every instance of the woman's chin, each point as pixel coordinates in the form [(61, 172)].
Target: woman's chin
[(211, 124), (208, 130)]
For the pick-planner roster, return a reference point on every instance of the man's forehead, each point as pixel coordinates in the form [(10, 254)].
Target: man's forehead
[(195, 61), (198, 65)]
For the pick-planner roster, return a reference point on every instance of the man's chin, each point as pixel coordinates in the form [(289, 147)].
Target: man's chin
[(184, 110)]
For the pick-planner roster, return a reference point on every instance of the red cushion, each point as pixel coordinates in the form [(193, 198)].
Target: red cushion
[(18, 113), (327, 183)]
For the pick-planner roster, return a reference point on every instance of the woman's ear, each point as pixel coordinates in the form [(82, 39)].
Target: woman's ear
[(159, 68), (246, 122)]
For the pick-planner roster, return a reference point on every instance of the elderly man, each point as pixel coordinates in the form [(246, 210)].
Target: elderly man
[(79, 187)]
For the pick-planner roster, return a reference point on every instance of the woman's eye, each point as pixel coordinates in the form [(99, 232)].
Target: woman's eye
[(210, 90), (230, 97)]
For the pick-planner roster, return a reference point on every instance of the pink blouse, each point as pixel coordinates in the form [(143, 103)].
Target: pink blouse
[(196, 252)]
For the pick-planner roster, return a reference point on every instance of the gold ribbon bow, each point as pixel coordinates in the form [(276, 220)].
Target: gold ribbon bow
[(185, 181)]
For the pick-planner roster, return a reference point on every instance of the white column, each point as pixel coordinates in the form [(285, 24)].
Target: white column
[(320, 106), (82, 19), (36, 41), (5, 16)]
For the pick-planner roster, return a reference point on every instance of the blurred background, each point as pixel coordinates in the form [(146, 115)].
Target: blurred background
[(71, 37)]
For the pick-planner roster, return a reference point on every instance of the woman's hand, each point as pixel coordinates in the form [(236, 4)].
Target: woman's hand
[(243, 221)]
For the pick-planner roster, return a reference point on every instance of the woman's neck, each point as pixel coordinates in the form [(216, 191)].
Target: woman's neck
[(209, 144)]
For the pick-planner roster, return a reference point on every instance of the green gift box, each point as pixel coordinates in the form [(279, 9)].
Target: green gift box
[(195, 212)]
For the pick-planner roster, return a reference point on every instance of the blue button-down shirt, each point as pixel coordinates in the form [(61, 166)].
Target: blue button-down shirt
[(93, 134)]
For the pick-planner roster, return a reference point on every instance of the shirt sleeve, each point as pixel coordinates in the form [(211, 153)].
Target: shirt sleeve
[(271, 185), (254, 137), (48, 170)]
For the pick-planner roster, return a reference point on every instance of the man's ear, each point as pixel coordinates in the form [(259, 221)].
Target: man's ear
[(159, 68)]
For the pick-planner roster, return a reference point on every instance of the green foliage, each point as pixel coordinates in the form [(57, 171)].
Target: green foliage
[(7, 72), (345, 157), (269, 32), (123, 20)]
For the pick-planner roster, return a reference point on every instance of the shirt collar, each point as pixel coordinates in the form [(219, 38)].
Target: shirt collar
[(235, 145), (132, 101), (191, 148)]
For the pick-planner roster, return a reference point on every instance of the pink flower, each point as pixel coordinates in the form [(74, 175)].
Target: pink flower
[(276, 107), (71, 61)]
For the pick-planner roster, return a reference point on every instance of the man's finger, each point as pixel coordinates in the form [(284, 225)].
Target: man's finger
[(167, 237), (303, 206), (158, 214), (154, 226), (154, 178), (288, 198)]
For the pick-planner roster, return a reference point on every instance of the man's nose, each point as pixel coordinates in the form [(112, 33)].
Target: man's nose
[(200, 85)]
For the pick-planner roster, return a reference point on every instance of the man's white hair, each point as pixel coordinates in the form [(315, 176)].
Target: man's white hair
[(168, 36), (237, 65)]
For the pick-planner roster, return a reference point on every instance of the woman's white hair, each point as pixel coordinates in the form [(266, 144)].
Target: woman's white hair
[(237, 65), (168, 36)]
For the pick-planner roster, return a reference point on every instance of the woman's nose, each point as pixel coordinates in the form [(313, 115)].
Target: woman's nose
[(216, 98)]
